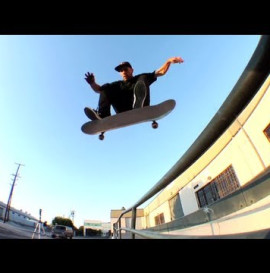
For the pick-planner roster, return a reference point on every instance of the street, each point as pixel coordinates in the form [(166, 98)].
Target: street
[(12, 231)]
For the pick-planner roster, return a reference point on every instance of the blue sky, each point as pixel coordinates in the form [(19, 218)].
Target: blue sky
[(42, 97)]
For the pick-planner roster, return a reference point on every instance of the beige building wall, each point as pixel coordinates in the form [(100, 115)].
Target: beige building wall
[(163, 208), (243, 145), (126, 219)]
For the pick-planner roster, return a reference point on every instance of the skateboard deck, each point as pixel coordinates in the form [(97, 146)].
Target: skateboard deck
[(131, 117)]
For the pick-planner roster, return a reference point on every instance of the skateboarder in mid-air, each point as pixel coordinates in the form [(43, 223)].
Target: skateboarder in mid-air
[(127, 94)]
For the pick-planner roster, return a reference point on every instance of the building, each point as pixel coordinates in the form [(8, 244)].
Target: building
[(126, 219), (96, 225), (18, 216), (232, 163)]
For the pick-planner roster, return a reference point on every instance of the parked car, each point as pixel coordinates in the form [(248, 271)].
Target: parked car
[(60, 231)]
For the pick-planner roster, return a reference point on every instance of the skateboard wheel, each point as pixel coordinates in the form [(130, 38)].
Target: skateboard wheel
[(101, 136), (154, 125)]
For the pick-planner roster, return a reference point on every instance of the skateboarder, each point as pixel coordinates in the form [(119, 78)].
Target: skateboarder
[(127, 94)]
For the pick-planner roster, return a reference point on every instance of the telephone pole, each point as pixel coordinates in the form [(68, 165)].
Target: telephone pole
[(72, 213), (6, 217)]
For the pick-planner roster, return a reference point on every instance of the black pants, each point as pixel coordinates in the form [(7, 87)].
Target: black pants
[(120, 100)]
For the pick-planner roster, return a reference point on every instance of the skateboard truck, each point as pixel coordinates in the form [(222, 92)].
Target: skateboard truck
[(101, 136), (154, 124)]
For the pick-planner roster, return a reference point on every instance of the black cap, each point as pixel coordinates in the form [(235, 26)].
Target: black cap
[(121, 65)]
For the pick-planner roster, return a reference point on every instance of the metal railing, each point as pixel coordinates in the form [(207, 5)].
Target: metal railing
[(244, 90), (258, 234)]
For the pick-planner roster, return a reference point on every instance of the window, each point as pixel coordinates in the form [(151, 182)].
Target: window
[(224, 184), (60, 228), (159, 219), (267, 132)]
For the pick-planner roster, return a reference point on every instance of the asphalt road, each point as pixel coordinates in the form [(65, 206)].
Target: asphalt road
[(12, 231)]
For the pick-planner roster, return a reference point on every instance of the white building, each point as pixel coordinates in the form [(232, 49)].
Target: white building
[(96, 225), (18, 216), (233, 162)]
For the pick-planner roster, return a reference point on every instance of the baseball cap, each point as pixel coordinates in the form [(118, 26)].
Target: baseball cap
[(121, 65)]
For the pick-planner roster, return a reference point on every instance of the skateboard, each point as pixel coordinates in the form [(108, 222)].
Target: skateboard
[(127, 118)]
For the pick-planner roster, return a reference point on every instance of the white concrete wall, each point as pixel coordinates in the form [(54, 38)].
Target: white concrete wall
[(253, 218), (244, 152)]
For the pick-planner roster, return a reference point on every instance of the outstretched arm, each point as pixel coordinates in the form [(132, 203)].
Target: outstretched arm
[(90, 78), (164, 68)]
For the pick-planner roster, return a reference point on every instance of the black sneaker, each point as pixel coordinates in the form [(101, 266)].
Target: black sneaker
[(91, 113), (139, 94)]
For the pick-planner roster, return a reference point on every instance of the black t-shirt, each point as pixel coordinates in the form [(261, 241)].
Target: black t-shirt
[(120, 93)]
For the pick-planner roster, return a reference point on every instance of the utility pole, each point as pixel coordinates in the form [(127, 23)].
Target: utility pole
[(72, 213), (6, 218)]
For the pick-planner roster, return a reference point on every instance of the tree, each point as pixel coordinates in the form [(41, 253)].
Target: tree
[(62, 221), (93, 232), (79, 232)]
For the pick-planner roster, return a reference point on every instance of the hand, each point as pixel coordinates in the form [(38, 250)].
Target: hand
[(176, 60), (90, 78)]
